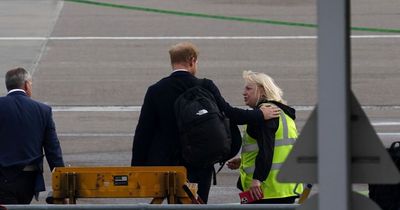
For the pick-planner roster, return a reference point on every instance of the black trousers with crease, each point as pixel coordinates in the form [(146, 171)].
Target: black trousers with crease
[(201, 176), (17, 188)]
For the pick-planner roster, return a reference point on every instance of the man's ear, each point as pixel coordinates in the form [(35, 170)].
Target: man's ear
[(28, 88), (193, 61), (25, 86)]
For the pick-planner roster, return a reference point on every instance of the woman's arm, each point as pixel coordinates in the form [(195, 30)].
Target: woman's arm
[(265, 136)]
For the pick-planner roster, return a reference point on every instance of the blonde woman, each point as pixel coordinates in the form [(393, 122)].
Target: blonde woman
[(266, 146)]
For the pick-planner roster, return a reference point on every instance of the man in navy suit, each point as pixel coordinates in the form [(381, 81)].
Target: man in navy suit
[(156, 141), (26, 129)]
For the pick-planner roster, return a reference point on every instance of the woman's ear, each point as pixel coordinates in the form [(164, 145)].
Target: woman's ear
[(261, 92)]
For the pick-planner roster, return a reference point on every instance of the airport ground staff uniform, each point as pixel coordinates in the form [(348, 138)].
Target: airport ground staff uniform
[(264, 150)]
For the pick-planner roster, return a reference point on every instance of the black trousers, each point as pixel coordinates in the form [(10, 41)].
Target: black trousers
[(17, 188), (287, 200), (201, 176)]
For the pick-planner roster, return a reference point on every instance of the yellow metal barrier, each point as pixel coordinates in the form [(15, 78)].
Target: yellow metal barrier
[(123, 182)]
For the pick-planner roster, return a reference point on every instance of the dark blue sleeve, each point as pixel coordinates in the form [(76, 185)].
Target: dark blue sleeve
[(144, 132), (266, 143), (51, 144), (236, 115)]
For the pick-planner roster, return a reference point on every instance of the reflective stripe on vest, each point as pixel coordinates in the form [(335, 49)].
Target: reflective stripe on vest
[(254, 147), (284, 124), (250, 170), (283, 142)]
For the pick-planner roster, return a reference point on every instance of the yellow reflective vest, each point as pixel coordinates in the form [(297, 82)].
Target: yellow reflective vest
[(285, 137)]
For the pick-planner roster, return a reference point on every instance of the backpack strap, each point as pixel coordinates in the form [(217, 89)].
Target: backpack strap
[(214, 176), (221, 165)]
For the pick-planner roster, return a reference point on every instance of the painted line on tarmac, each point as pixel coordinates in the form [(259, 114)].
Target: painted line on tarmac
[(96, 108), (385, 123), (222, 17), (96, 134), (132, 134), (138, 108), (77, 38), (58, 9), (389, 134)]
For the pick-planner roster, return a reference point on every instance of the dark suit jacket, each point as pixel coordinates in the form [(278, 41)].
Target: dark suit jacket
[(26, 129), (156, 141)]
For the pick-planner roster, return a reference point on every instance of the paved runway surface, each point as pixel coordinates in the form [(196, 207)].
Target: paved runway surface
[(94, 62)]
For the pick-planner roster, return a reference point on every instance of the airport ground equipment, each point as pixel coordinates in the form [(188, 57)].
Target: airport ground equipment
[(305, 194), (159, 183)]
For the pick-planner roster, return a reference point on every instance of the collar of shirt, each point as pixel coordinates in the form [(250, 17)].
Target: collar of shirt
[(15, 90), (179, 70)]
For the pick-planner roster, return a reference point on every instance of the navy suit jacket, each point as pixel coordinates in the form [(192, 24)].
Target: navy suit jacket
[(26, 130), (156, 140)]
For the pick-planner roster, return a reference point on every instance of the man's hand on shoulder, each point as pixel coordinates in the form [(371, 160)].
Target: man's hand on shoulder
[(269, 111)]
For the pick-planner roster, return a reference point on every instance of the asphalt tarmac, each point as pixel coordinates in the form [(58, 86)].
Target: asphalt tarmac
[(93, 64)]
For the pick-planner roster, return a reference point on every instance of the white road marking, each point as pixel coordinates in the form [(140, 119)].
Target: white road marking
[(57, 13), (96, 134), (74, 38), (96, 108), (385, 123), (132, 134), (137, 108)]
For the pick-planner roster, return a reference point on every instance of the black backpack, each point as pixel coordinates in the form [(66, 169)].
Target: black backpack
[(203, 129), (387, 196)]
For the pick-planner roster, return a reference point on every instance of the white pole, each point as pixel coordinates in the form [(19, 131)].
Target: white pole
[(333, 104)]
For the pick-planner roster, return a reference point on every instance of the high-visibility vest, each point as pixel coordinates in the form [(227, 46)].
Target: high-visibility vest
[(285, 137)]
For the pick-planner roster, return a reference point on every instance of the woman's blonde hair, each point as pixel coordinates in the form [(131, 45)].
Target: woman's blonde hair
[(269, 89)]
